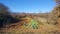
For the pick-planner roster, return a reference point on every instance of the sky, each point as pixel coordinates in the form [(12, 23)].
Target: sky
[(29, 6)]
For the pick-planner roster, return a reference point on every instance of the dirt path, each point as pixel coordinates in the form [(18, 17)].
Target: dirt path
[(41, 19)]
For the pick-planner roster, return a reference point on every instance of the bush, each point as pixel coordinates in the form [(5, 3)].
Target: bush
[(5, 17)]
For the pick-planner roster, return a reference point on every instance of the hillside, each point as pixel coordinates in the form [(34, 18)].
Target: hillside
[(43, 28), (30, 23)]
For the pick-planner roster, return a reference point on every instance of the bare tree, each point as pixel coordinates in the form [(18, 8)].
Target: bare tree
[(57, 1)]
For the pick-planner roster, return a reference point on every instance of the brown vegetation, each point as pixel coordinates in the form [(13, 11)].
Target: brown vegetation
[(55, 15), (47, 23)]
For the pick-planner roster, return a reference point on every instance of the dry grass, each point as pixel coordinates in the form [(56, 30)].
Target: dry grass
[(43, 28)]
